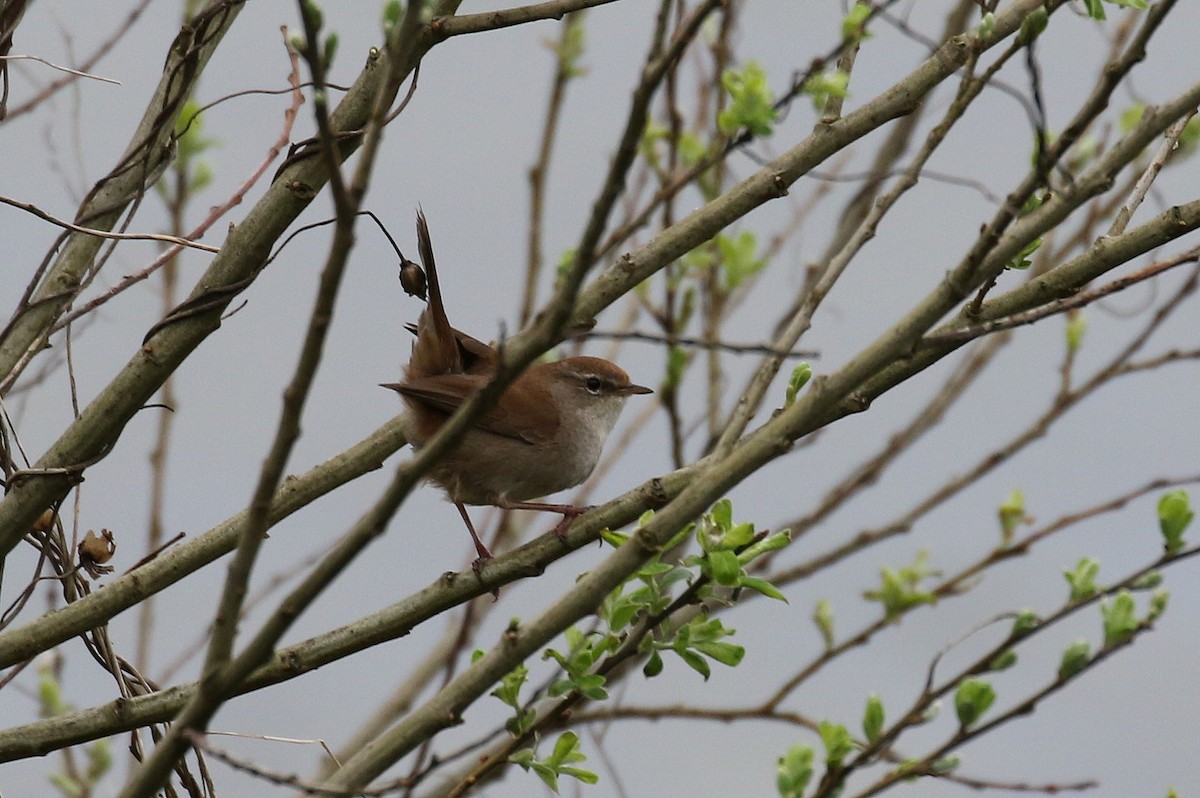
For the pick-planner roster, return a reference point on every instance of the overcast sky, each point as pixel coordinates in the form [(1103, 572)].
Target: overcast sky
[(461, 151)]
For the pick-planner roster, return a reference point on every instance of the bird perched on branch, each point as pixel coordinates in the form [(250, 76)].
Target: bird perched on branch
[(545, 432)]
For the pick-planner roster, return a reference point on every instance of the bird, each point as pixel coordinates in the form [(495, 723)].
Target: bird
[(544, 434)]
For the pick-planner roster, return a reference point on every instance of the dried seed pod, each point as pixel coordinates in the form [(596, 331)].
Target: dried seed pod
[(412, 278), (95, 550)]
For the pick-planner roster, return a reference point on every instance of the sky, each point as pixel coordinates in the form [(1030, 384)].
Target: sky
[(462, 151)]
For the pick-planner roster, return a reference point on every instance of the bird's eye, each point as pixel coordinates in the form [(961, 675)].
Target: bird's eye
[(592, 384)]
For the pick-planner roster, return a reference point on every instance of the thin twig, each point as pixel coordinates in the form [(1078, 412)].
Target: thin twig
[(38, 212), (699, 343), (76, 72), (1057, 306)]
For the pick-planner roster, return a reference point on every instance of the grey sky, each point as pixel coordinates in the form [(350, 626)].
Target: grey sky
[(462, 150)]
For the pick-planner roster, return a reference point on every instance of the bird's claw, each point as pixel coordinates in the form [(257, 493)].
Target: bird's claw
[(569, 514)]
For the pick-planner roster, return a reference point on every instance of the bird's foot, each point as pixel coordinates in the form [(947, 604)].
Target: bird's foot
[(569, 514)]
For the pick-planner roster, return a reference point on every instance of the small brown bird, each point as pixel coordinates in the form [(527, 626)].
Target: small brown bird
[(544, 434)]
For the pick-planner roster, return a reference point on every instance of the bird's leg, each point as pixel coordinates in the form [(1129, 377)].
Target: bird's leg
[(484, 554), (569, 513)]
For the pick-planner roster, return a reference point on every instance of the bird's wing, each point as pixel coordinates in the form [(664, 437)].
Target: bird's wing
[(447, 392)]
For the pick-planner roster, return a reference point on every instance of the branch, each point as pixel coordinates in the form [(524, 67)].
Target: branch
[(398, 620), (231, 271), (461, 24), (1057, 306), (143, 160), (215, 214)]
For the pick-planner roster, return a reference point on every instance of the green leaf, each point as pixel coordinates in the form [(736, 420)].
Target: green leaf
[(202, 176), (973, 698), (696, 662), (800, 377), (823, 617), (1026, 622), (739, 260), (1003, 661), (1120, 618), (586, 776), (565, 262), (1076, 327), (521, 721), (189, 132), (898, 587), (794, 770), (614, 539), (853, 22), (944, 765), (566, 751), (570, 51), (873, 718), (1189, 140), (653, 666), (622, 615), (564, 748), (837, 741), (691, 148), (575, 638), (1174, 516), (522, 758), (986, 25), (763, 587), (770, 543), (1032, 203), (750, 101), (315, 14), (724, 653), (1074, 659), (1033, 25), (826, 84), (591, 686), (67, 785), (677, 361), (99, 760), (547, 775), (1083, 579), (1147, 581), (722, 514), (1130, 117), (1012, 515), (330, 49), (1158, 605), (50, 697), (1022, 259), (725, 567), (740, 535), (652, 134), (704, 629), (510, 686), (391, 14)]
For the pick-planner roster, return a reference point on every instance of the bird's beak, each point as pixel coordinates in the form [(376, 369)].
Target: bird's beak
[(632, 389)]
